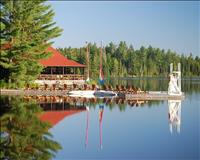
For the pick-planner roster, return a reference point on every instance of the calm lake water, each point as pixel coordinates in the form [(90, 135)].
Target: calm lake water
[(116, 129)]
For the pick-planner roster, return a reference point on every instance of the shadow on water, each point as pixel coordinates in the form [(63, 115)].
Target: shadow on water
[(23, 134)]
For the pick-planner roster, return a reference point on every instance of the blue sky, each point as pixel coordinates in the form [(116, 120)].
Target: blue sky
[(166, 25)]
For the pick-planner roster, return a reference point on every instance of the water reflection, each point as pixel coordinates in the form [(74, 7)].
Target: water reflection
[(87, 126), (101, 109), (23, 135), (57, 108), (188, 85), (24, 121), (66, 102), (174, 115)]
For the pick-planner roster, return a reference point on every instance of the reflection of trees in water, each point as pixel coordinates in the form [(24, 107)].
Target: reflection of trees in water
[(154, 103), (191, 86), (157, 84), (65, 102), (23, 135)]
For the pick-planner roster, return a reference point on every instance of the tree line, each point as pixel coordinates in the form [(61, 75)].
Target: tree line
[(122, 60)]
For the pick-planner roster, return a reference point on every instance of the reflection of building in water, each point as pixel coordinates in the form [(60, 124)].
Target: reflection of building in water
[(174, 115), (57, 108), (54, 117)]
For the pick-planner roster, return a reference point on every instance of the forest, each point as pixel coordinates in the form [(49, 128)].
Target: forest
[(124, 61)]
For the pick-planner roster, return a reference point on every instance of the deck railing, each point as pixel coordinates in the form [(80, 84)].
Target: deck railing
[(61, 77)]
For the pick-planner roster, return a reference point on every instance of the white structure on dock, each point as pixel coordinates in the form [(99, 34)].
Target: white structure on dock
[(174, 115), (174, 87)]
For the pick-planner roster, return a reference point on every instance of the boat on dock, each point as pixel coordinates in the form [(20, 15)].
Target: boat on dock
[(103, 93), (92, 93), (80, 93)]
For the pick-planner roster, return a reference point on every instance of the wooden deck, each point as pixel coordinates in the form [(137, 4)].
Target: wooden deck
[(35, 92)]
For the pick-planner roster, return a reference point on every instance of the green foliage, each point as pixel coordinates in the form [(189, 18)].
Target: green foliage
[(121, 61), (26, 30), (26, 137)]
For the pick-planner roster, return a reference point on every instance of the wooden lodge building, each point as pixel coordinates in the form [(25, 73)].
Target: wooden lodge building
[(59, 69)]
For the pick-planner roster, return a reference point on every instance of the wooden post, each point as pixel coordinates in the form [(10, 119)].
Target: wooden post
[(63, 73), (74, 73), (51, 73)]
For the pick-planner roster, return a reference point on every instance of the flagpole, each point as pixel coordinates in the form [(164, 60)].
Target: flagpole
[(101, 77), (88, 67), (101, 61)]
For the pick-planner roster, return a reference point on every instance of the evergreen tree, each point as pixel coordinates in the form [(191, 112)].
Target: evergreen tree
[(27, 28), (121, 60)]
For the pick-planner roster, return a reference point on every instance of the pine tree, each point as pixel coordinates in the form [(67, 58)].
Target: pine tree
[(27, 28)]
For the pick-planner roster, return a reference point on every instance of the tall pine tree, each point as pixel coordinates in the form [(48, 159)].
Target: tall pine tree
[(26, 30)]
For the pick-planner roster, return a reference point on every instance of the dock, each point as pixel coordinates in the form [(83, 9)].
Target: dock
[(33, 92), (150, 95)]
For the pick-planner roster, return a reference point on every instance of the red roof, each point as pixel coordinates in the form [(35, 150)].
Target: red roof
[(53, 117), (57, 59)]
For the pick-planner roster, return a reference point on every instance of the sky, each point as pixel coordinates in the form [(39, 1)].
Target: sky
[(164, 25)]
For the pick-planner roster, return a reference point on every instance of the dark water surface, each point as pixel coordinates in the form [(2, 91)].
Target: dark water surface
[(116, 129)]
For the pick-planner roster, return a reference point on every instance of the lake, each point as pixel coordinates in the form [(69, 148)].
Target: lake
[(119, 129)]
